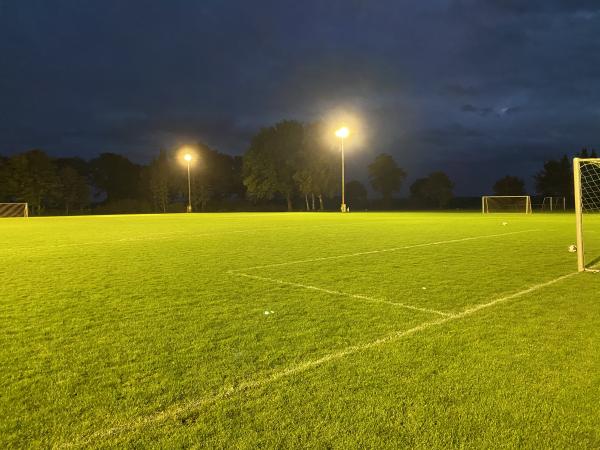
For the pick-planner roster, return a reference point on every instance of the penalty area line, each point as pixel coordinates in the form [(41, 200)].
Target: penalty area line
[(182, 409), (339, 293), (385, 250)]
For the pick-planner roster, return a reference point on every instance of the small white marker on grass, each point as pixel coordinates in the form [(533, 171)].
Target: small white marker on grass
[(266, 313)]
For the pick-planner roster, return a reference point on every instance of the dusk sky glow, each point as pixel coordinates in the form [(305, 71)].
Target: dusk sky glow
[(477, 88)]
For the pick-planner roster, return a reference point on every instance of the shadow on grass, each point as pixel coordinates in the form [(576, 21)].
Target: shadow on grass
[(594, 262)]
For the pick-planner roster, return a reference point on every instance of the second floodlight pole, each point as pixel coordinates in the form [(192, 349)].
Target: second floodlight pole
[(343, 206), (189, 208)]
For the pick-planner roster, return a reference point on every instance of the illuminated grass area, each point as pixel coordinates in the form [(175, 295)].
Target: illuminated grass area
[(383, 330)]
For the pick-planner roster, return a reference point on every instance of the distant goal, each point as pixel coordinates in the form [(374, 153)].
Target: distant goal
[(554, 204), (586, 176), (14, 210), (506, 204)]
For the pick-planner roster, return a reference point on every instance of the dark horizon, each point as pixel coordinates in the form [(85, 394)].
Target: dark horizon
[(479, 89)]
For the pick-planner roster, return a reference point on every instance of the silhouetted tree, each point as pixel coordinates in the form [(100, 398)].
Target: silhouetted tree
[(555, 179), (386, 176), (32, 178), (435, 189), (271, 161), (305, 183), (215, 177), (158, 174), (356, 194), (584, 153), (74, 190), (313, 167), (81, 166), (117, 176), (322, 164), (4, 189), (237, 185), (509, 185)]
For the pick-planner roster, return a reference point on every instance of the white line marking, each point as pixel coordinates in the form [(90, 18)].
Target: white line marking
[(394, 249), (192, 405), (343, 294)]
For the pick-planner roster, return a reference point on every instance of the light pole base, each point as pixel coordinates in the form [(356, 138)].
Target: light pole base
[(343, 208), (189, 208)]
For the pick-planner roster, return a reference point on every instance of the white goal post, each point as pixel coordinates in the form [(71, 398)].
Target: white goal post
[(14, 210), (586, 177), (506, 203)]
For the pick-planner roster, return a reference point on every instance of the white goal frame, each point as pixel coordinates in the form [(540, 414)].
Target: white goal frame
[(580, 207), (485, 204), (14, 209)]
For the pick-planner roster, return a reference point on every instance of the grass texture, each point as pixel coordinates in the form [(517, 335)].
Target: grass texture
[(370, 330)]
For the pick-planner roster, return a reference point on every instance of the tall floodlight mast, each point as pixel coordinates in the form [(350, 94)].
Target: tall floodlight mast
[(343, 133), (188, 157)]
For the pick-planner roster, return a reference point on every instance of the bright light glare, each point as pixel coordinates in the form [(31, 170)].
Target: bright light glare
[(342, 132), (187, 157)]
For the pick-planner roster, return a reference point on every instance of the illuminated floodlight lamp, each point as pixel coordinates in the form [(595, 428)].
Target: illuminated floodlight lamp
[(343, 132)]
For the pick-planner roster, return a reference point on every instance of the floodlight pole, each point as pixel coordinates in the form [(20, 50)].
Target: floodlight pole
[(189, 207), (343, 205)]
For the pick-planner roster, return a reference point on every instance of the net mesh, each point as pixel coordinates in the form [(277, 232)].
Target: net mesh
[(590, 186), (13, 210)]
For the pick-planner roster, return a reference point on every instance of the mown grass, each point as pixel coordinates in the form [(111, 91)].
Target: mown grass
[(141, 331)]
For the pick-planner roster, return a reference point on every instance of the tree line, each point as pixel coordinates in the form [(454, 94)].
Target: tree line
[(287, 164), (555, 179), (111, 183)]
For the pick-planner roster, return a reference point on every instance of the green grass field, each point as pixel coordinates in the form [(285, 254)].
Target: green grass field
[(383, 330)]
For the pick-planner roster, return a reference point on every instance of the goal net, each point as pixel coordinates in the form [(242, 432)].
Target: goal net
[(586, 174), (506, 204), (14, 210)]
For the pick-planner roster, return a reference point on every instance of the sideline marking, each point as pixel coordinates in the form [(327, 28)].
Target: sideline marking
[(343, 294), (394, 249), (187, 407)]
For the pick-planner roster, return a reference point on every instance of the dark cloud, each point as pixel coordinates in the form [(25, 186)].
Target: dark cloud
[(473, 109), (444, 83)]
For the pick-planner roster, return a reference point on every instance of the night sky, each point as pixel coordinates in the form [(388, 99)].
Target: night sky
[(477, 88)]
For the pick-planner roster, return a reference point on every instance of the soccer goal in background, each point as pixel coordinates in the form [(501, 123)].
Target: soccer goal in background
[(554, 204), (586, 176), (506, 204), (14, 210)]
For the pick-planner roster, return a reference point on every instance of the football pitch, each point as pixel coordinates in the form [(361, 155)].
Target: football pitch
[(371, 330)]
